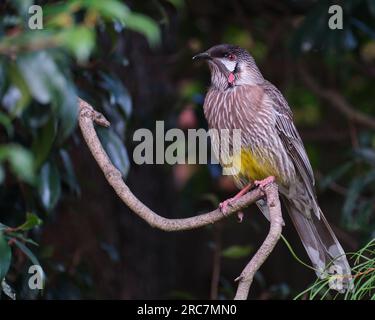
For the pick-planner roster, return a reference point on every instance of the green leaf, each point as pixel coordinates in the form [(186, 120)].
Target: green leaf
[(32, 221), (80, 41), (20, 236), (3, 75), (119, 94), (49, 187), (5, 256), (27, 252), (69, 175), (51, 11), (48, 84), (145, 26), (20, 84), (115, 149), (2, 174), (22, 6), (30, 255), (177, 3), (114, 10), (6, 122), (110, 9), (236, 252), (68, 111), (37, 69), (20, 159), (43, 141), (10, 99)]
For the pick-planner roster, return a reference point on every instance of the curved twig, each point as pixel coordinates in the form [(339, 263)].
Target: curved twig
[(88, 116), (276, 223)]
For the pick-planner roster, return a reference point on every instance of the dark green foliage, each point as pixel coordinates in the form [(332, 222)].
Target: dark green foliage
[(5, 254), (39, 108)]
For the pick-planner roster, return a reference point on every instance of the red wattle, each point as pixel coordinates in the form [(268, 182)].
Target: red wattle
[(231, 78)]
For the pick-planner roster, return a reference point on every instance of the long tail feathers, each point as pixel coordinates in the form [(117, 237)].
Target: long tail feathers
[(322, 247)]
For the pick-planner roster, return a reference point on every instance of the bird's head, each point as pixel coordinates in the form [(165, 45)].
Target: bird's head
[(230, 66)]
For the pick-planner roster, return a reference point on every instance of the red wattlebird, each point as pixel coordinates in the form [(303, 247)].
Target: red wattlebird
[(271, 149)]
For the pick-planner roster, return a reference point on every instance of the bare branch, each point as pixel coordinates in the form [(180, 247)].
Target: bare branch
[(337, 101), (88, 116), (276, 220)]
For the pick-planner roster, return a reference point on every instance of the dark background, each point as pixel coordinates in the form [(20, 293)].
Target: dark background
[(91, 244)]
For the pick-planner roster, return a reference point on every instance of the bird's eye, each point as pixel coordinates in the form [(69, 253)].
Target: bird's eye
[(230, 56)]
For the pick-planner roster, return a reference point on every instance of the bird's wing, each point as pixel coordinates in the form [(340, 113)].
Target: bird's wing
[(290, 136)]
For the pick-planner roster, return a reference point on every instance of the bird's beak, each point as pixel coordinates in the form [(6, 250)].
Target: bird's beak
[(202, 56)]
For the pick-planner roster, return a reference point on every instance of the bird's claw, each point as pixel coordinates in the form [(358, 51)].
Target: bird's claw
[(224, 209), (261, 184), (224, 206), (240, 216)]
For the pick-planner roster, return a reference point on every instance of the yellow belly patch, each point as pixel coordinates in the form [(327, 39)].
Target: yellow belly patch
[(251, 167)]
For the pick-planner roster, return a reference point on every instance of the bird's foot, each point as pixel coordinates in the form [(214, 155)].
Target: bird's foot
[(227, 203), (261, 184)]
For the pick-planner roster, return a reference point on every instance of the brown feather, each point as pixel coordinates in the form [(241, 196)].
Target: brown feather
[(260, 111)]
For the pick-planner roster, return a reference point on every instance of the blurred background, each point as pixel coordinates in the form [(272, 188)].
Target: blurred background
[(132, 61)]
